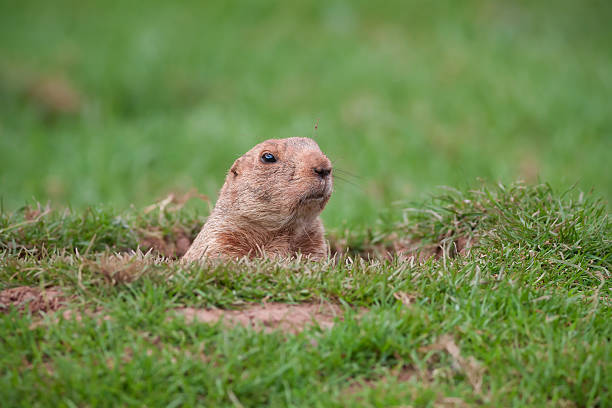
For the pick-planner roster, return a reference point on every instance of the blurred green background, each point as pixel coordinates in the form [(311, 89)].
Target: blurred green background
[(122, 102)]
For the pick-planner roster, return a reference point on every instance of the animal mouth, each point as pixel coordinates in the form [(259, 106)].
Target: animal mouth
[(315, 197), (318, 195)]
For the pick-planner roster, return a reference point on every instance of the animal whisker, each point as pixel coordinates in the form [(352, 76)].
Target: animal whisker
[(346, 173), (343, 179)]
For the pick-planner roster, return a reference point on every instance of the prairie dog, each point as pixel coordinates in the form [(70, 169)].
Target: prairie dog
[(270, 204)]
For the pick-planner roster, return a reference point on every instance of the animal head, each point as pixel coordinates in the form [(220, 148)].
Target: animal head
[(279, 182)]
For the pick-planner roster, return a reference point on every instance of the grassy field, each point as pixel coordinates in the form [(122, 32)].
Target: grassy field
[(479, 294), (521, 318), (120, 104)]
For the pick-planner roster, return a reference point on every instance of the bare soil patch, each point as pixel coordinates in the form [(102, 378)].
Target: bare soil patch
[(406, 249), (33, 299), (55, 95), (270, 316), (71, 315), (171, 246), (175, 243)]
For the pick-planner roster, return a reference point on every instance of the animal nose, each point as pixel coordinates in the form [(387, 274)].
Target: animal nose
[(322, 171)]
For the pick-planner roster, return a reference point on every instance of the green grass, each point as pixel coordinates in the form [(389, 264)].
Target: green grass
[(528, 306), (408, 95), (106, 107)]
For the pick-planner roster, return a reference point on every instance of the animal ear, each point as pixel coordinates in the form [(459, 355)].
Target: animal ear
[(236, 168)]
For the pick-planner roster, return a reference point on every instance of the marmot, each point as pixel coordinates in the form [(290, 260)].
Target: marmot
[(270, 204)]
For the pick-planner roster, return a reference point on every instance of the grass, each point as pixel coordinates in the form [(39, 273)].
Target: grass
[(408, 96), (528, 307), (106, 107)]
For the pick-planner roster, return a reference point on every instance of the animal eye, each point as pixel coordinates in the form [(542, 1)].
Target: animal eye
[(268, 158)]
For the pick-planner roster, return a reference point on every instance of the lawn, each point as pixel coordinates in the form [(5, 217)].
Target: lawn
[(518, 317), (121, 104), (489, 292)]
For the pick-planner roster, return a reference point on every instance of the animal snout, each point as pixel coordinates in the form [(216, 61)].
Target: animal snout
[(322, 171)]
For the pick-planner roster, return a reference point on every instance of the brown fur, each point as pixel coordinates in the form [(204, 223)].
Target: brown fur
[(269, 208)]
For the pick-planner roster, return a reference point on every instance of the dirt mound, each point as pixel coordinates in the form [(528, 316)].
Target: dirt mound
[(270, 316), (33, 299), (55, 95), (405, 249), (172, 246)]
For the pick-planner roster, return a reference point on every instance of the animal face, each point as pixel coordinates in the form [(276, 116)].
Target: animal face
[(281, 179)]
